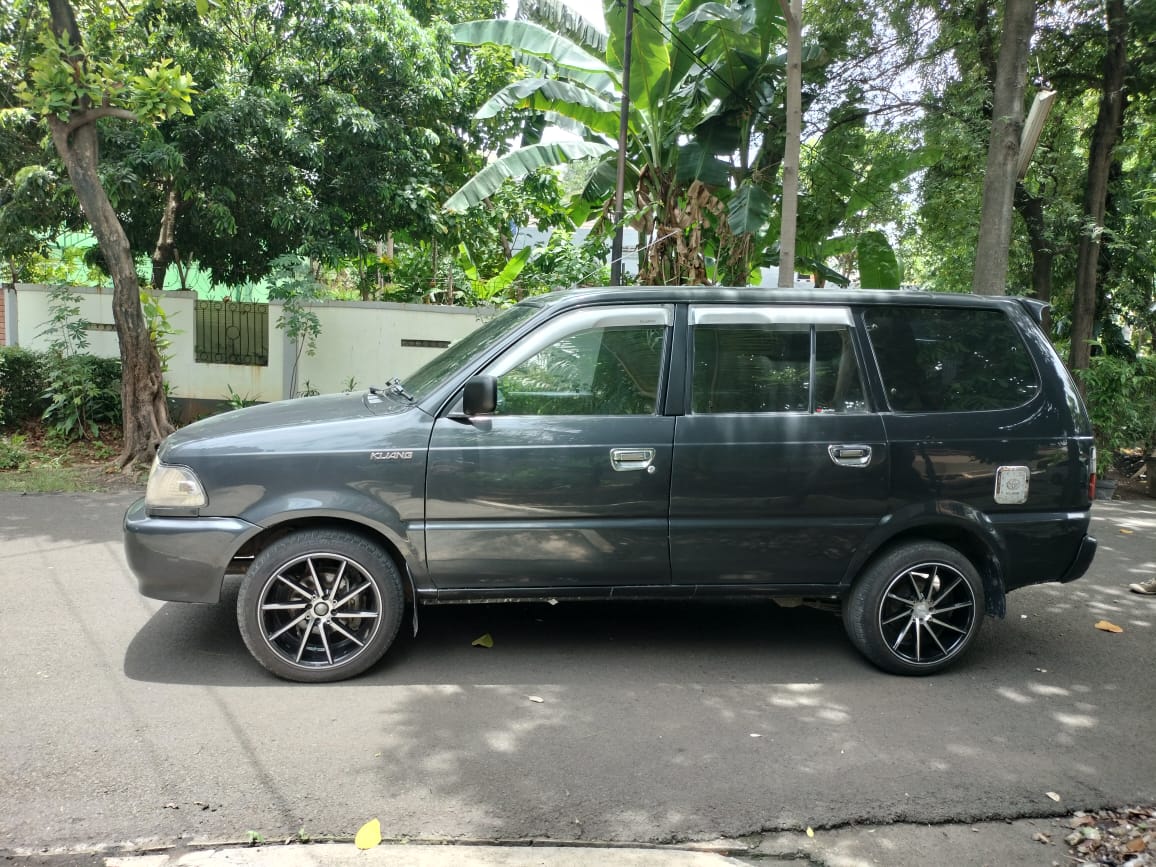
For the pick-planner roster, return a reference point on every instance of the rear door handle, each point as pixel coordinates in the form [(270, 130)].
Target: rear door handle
[(624, 460), (855, 455)]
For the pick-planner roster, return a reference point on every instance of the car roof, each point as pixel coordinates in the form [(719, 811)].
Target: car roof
[(760, 295)]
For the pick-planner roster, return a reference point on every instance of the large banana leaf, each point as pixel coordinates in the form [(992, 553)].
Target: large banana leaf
[(519, 164), (695, 162), (530, 38), (878, 267), (649, 51), (557, 17), (749, 209), (561, 97)]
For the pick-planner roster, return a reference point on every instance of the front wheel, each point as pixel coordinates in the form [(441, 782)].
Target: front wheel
[(320, 605), (916, 609)]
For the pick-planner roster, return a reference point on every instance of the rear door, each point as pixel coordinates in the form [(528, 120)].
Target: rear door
[(780, 464), (567, 484)]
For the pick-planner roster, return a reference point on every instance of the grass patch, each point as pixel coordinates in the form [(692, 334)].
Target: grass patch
[(33, 463)]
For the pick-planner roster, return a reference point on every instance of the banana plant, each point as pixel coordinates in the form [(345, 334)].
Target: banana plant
[(495, 288), (705, 92)]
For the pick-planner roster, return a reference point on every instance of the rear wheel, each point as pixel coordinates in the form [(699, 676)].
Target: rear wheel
[(916, 609), (320, 605)]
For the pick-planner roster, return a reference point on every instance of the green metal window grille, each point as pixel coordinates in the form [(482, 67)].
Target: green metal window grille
[(231, 332)]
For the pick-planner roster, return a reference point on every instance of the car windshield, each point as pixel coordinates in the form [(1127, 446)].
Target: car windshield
[(423, 381)]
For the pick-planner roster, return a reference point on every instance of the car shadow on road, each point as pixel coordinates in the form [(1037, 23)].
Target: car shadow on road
[(532, 642)]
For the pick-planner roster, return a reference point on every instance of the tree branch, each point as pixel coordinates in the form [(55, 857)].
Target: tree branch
[(95, 114)]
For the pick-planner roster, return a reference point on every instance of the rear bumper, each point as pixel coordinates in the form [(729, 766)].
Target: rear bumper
[(1083, 560), (181, 559)]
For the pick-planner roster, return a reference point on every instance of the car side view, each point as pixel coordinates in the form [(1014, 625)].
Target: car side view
[(908, 457)]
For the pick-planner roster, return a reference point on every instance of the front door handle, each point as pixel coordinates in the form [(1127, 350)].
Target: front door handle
[(856, 455), (624, 460)]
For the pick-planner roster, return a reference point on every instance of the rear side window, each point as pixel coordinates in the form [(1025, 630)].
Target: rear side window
[(761, 368), (950, 359)]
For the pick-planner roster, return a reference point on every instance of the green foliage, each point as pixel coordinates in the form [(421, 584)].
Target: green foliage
[(1121, 398), (22, 385), (295, 284), (13, 456), (65, 330), (234, 400), (83, 393), (59, 83), (160, 328)]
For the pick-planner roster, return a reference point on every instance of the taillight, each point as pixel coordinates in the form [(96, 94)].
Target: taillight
[(1092, 476)]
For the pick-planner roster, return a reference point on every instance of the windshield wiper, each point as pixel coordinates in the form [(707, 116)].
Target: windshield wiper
[(394, 386)]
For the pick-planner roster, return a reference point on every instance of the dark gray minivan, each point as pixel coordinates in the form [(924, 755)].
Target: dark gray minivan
[(909, 457)]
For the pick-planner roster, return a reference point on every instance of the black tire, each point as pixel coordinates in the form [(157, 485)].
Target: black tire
[(916, 608), (320, 605)]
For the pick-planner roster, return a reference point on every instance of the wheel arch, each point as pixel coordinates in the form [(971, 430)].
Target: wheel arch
[(292, 523), (961, 527)]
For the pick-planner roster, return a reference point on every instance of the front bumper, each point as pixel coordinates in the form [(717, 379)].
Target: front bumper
[(181, 559)]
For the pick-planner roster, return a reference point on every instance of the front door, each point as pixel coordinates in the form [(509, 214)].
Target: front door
[(780, 467), (567, 483)]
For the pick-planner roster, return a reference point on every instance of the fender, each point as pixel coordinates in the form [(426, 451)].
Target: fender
[(347, 505), (933, 518)]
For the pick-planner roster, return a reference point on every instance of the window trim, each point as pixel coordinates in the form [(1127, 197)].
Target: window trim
[(702, 314), (573, 322)]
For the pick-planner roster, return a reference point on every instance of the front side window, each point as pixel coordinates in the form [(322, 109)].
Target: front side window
[(775, 367), (601, 368), (935, 359)]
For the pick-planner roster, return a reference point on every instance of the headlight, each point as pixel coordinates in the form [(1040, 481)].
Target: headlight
[(173, 487)]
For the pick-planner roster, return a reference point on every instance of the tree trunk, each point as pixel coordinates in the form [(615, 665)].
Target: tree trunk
[(1108, 122), (146, 416), (793, 13), (165, 250), (999, 180), (1031, 208)]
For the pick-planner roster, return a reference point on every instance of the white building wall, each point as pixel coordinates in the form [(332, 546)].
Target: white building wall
[(362, 340)]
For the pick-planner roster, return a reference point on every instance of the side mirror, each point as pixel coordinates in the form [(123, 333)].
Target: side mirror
[(480, 396)]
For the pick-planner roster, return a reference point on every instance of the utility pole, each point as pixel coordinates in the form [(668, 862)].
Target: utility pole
[(793, 13), (623, 131)]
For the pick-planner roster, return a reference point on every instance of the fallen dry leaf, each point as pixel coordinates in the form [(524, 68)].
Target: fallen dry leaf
[(1105, 626), (368, 835), (1127, 532), (1041, 838), (1139, 844), (483, 641)]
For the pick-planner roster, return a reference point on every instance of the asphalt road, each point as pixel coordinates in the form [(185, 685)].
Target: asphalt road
[(125, 719)]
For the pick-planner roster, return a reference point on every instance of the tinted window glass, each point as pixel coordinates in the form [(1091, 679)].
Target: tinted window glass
[(767, 368), (950, 360), (838, 386), (597, 371)]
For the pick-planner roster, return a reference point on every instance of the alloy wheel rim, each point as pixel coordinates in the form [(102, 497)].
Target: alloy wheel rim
[(319, 611), (926, 613)]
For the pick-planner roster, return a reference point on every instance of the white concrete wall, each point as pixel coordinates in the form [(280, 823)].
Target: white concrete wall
[(358, 339)]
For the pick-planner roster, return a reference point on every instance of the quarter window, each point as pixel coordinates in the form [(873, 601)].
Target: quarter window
[(950, 359)]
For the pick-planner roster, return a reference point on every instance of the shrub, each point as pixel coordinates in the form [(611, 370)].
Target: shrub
[(83, 393), (22, 385), (1121, 397), (12, 454)]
